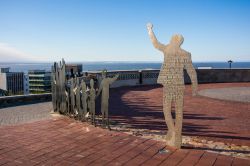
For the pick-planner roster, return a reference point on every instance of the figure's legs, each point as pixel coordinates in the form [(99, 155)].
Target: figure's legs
[(167, 102), (85, 107), (178, 119), (67, 104), (103, 112), (107, 116), (93, 109)]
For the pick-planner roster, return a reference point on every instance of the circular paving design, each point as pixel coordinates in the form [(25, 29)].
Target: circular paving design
[(239, 94)]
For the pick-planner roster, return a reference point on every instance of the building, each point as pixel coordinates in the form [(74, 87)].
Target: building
[(39, 81), (12, 82), (26, 89), (72, 69)]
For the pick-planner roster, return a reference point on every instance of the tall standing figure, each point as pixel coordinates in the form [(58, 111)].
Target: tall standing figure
[(84, 100), (79, 110), (104, 88), (92, 97), (171, 76)]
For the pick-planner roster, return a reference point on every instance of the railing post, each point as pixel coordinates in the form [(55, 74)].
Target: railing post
[(140, 77)]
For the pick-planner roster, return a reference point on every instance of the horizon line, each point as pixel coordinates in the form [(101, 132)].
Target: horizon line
[(114, 61)]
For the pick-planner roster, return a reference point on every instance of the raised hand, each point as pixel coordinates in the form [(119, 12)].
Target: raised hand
[(149, 26)]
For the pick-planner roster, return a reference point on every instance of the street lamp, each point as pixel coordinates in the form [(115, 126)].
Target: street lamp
[(230, 63)]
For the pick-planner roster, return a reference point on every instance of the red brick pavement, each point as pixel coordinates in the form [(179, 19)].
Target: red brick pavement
[(216, 120), (64, 141)]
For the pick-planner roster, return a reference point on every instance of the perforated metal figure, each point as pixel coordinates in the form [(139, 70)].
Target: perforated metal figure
[(58, 87), (72, 95), (92, 97), (171, 76), (67, 98), (79, 111), (104, 88), (84, 99), (53, 87)]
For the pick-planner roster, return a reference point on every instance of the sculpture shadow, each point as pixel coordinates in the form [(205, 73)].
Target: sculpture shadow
[(138, 113)]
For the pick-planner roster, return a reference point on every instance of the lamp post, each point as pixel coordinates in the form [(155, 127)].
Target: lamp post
[(230, 63)]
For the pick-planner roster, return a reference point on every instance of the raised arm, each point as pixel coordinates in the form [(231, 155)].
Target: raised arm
[(153, 39), (111, 80), (192, 74)]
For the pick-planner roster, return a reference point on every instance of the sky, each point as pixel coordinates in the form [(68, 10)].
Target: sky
[(115, 30)]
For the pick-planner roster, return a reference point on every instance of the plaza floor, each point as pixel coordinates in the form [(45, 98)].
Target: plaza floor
[(58, 140)]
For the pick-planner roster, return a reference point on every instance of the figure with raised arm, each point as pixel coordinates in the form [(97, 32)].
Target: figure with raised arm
[(104, 88), (171, 76)]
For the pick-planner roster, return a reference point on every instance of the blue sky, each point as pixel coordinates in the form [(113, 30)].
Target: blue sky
[(115, 30)]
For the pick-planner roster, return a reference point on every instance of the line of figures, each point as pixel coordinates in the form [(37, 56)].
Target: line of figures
[(75, 98)]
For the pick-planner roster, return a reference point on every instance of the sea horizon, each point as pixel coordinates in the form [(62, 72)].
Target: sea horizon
[(116, 65)]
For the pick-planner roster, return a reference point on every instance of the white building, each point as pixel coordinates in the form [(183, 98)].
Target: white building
[(12, 82)]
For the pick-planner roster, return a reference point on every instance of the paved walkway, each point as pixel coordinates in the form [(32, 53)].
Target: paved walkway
[(211, 119), (25, 113), (63, 141)]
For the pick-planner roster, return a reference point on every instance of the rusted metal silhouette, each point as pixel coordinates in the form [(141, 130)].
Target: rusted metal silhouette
[(92, 98), (104, 88), (79, 110), (84, 100), (171, 76), (58, 87), (71, 97)]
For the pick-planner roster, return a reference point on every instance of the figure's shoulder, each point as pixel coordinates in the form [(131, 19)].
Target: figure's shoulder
[(185, 53)]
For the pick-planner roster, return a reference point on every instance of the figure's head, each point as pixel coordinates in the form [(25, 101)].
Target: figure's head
[(83, 86), (177, 40), (104, 73), (92, 83)]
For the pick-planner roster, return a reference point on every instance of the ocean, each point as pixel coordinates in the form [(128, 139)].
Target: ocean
[(94, 66)]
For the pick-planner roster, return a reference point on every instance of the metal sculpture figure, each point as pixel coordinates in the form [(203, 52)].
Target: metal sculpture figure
[(78, 99), (62, 86), (74, 99), (104, 88), (172, 78), (67, 100), (53, 87), (72, 96), (92, 97), (58, 87), (84, 100)]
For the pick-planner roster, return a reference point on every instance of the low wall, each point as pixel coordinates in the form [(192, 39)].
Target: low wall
[(149, 77), (223, 75), (8, 101)]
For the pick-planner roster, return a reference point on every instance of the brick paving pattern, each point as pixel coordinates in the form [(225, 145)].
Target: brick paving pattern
[(64, 141), (241, 94), (211, 119)]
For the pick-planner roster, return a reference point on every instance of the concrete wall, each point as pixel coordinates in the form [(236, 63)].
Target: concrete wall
[(7, 101), (149, 77), (223, 75)]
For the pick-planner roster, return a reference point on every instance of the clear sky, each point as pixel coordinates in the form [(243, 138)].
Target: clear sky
[(115, 30)]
